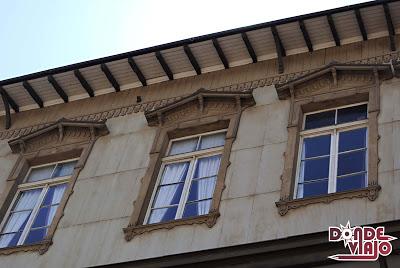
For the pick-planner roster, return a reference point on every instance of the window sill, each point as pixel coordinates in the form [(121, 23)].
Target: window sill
[(41, 247), (284, 205), (133, 230)]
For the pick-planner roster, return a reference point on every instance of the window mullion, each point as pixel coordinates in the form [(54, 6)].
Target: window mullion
[(33, 215), (333, 162), (186, 188)]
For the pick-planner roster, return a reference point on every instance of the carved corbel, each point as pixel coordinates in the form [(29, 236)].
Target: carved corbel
[(201, 102), (334, 76)]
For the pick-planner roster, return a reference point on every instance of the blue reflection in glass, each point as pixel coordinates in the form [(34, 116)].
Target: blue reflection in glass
[(316, 146), (35, 236), (202, 189), (322, 119), (197, 208), (314, 188), (352, 139), (350, 182), (352, 114), (162, 214), (315, 168), (168, 195), (351, 162)]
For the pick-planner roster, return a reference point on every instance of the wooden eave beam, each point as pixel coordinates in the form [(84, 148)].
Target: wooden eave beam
[(220, 53), (137, 71), (110, 77), (306, 36), (84, 83), (332, 26), (280, 51), (361, 25), (6, 108), (390, 27), (10, 100), (192, 59), (249, 47), (164, 65), (33, 93), (58, 88)]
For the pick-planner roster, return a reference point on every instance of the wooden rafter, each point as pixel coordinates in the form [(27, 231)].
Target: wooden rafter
[(280, 50), (361, 25), (164, 65), (58, 88), (84, 83), (110, 77), (33, 93), (390, 26), (306, 36), (334, 32), (10, 100), (137, 71), (192, 59), (220, 53), (249, 47)]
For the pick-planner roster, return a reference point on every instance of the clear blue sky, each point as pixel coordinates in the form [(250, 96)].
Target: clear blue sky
[(41, 34)]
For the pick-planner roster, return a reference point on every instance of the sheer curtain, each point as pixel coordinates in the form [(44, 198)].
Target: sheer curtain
[(57, 195), (19, 216), (206, 167), (212, 141), (183, 146)]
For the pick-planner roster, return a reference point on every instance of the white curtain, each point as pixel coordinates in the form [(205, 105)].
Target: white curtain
[(183, 146), (173, 173), (57, 195), (212, 141), (20, 215)]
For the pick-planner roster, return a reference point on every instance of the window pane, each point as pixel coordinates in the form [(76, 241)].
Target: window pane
[(320, 120), (313, 188), (350, 182), (174, 173), (27, 200), (163, 214), (64, 169), (202, 189), (353, 139), (314, 169), (9, 240), (196, 209), (40, 173), (351, 114), (183, 146), (207, 166), (211, 141), (54, 194), (35, 236), (316, 146), (16, 222), (351, 162), (168, 195), (45, 216)]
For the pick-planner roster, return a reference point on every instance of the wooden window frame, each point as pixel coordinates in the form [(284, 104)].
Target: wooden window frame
[(203, 111)]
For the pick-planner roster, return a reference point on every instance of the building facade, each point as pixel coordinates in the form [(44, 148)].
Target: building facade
[(238, 148)]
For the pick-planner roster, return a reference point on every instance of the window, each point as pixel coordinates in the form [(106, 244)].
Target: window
[(333, 151), (186, 183), (37, 199)]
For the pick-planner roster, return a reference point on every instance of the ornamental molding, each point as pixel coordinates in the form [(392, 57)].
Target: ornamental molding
[(148, 106)]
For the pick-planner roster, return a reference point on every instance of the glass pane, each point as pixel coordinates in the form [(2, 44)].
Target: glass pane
[(27, 200), (320, 120), (9, 240), (211, 141), (40, 173), (174, 173), (54, 194), (207, 166), (313, 188), (314, 169), (202, 189), (196, 209), (45, 216), (353, 139), (351, 114), (168, 195), (163, 214), (35, 236), (316, 146), (64, 169), (16, 222), (183, 146), (351, 162), (350, 182)]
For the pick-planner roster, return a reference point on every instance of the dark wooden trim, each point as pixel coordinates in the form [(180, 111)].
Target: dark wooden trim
[(361, 25), (137, 71), (84, 83), (306, 36), (110, 77), (192, 59), (390, 27), (249, 47), (10, 100), (280, 50), (58, 88), (164, 65), (220, 53), (332, 26), (6, 108), (33, 93)]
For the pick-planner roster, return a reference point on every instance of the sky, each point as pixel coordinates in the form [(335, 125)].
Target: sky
[(37, 35)]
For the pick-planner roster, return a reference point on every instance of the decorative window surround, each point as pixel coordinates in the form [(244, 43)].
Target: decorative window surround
[(202, 111), (65, 139), (329, 87)]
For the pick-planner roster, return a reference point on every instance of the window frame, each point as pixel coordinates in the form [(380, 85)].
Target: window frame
[(333, 131), (44, 185), (192, 158)]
